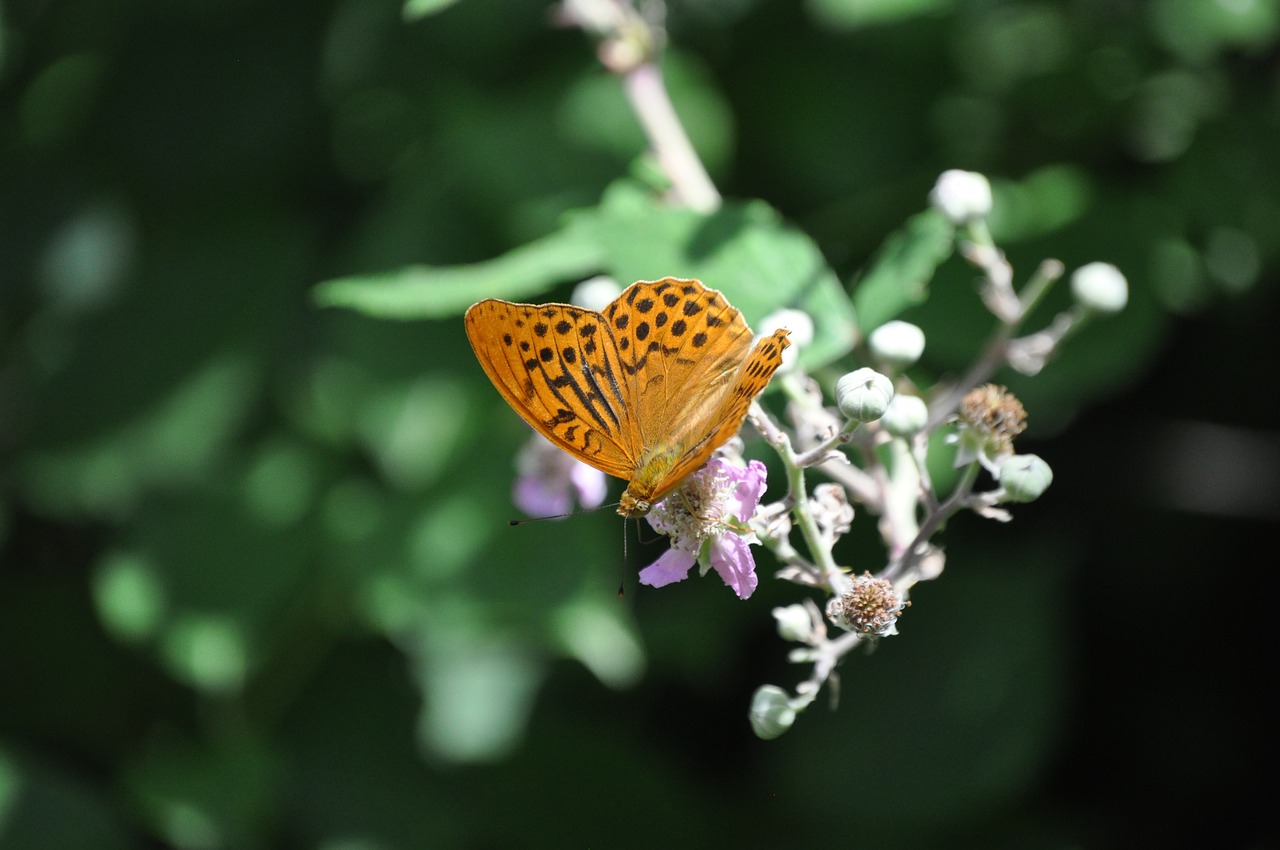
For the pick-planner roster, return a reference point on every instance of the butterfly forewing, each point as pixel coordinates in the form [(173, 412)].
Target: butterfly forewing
[(558, 367)]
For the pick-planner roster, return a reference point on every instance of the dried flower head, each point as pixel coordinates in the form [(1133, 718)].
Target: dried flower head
[(995, 411), (989, 419), (870, 606)]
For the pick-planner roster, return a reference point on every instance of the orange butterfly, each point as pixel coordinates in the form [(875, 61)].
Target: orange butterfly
[(644, 391)]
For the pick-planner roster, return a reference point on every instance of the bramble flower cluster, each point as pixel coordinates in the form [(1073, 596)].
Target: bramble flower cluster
[(869, 433), (875, 447)]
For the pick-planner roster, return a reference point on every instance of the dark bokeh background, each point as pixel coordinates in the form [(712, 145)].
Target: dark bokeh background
[(257, 588)]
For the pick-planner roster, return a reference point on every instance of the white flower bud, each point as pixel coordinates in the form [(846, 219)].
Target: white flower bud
[(798, 323), (1100, 287), (863, 395), (794, 622), (906, 415), (1024, 478), (962, 196), (771, 713), (896, 343), (595, 293)]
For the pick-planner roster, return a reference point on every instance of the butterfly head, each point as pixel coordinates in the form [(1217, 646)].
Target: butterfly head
[(629, 506)]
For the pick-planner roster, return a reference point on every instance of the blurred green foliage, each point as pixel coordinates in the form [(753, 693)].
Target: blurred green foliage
[(257, 586)]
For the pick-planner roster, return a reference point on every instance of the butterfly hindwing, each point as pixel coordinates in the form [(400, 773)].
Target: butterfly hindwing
[(749, 381), (681, 344), (687, 350), (722, 421)]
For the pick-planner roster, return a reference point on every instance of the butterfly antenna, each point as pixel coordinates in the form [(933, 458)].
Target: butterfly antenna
[(538, 518), (622, 579), (559, 516)]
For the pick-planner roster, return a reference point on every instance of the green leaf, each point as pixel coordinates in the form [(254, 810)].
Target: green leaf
[(746, 250), (899, 275), (429, 292), (415, 9), (859, 14)]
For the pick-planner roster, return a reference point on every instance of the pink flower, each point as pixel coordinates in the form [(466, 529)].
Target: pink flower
[(548, 481), (706, 520)]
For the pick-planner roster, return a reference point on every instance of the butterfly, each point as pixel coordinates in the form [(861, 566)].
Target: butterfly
[(644, 390)]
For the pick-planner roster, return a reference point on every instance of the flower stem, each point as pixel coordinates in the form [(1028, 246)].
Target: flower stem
[(799, 497), (900, 565), (649, 100)]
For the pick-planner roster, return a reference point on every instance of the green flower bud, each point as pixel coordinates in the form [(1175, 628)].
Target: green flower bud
[(1100, 287), (1024, 478), (863, 395), (794, 622), (906, 415), (896, 343), (962, 196), (771, 713)]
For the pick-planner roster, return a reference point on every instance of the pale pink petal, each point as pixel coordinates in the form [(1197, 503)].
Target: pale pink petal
[(672, 567), (590, 485), (731, 558), (540, 497), (751, 486), (548, 480)]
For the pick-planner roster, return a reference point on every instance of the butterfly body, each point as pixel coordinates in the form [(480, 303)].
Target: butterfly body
[(653, 471), (644, 390)]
